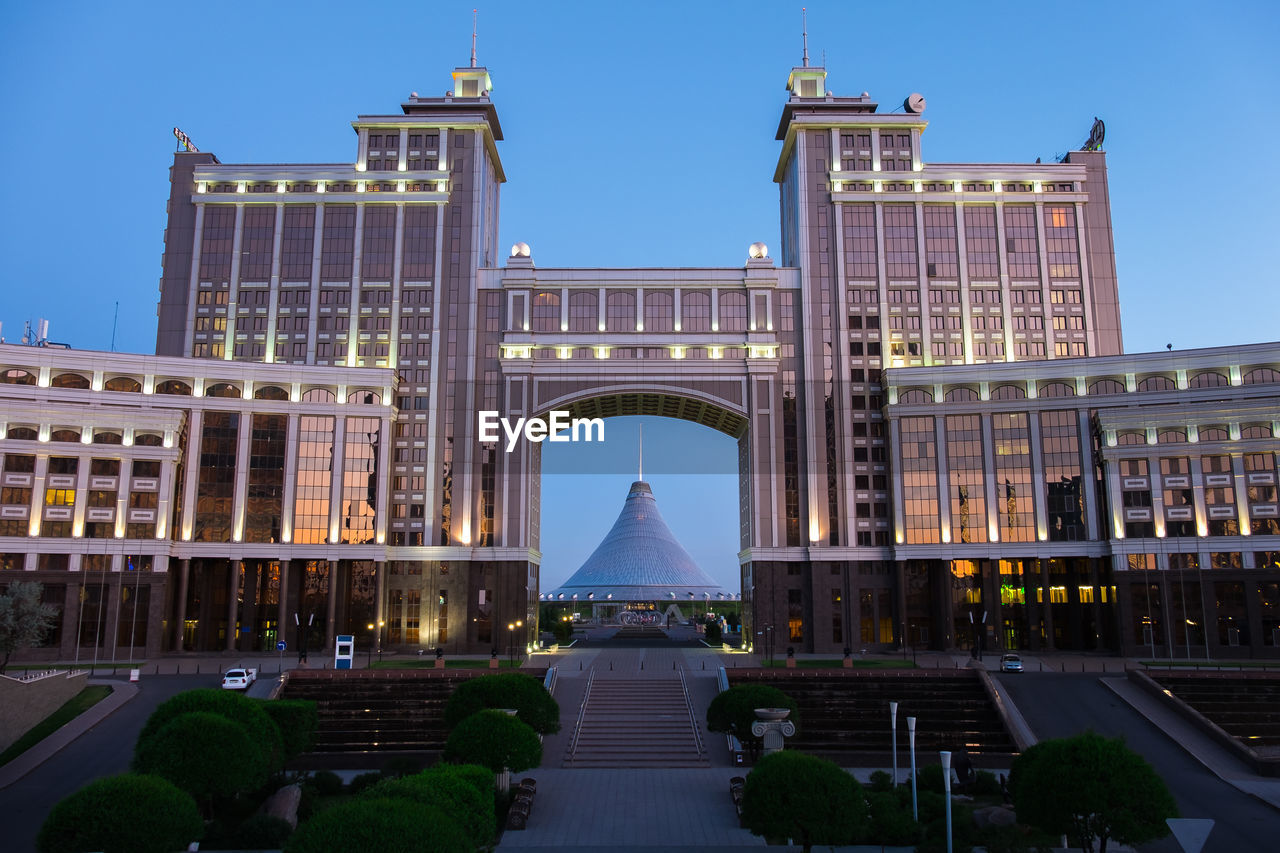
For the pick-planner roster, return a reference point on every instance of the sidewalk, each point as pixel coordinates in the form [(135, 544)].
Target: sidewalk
[(1198, 745), (121, 692)]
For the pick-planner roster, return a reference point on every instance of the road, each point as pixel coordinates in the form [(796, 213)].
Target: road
[(104, 750), (1060, 705)]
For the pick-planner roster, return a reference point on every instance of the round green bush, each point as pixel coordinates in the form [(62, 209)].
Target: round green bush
[(364, 782), (297, 720), (532, 703), (793, 795), (494, 740), (268, 755), (734, 710), (453, 795), (326, 783), (122, 814), (369, 825), (261, 832), (201, 753), (480, 778)]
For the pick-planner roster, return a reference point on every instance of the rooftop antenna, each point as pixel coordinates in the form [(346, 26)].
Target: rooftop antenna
[(115, 321), (640, 475), (473, 38), (804, 18)]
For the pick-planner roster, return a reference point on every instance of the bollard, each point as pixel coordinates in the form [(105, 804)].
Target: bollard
[(611, 666), (579, 666), (704, 664), (642, 666)]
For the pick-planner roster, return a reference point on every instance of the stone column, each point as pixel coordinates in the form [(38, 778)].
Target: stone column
[(180, 604), (772, 726), (233, 587)]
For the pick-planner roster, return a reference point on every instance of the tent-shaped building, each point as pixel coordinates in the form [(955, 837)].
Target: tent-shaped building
[(639, 565)]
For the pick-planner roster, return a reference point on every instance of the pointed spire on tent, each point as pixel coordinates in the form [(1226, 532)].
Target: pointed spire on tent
[(640, 474)]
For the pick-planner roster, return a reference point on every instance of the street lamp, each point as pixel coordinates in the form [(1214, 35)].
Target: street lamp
[(911, 739), (893, 727), (381, 624), (946, 784), (369, 653), (511, 644)]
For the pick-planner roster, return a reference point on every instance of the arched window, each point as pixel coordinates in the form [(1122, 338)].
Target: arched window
[(1008, 392), (106, 437), (658, 311), (1213, 433), (123, 383), (1106, 386), (270, 392), (915, 395), (1129, 437), (733, 311), (21, 433), (174, 386), (1172, 436), (1256, 431), (17, 376), (1208, 379), (961, 395), (367, 398), (318, 395), (695, 311), (69, 380), (621, 312), (1261, 375), (1156, 383), (1056, 389), (584, 311), (148, 439), (67, 435), (222, 389), (546, 311)]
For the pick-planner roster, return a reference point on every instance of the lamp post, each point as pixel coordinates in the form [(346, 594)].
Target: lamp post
[(911, 740), (893, 727), (369, 652), (511, 643), (381, 624), (946, 785)]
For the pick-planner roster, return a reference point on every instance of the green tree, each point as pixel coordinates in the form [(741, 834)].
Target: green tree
[(734, 710), (24, 620), (297, 720), (494, 740), (1090, 788), (122, 814), (810, 800), (201, 753), (267, 754), (453, 794), (533, 704), (369, 824)]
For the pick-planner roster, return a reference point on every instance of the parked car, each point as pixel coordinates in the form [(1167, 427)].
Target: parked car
[(239, 678), (1010, 663)]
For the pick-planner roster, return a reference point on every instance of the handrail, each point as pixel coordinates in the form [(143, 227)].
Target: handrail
[(697, 735), (735, 745), (582, 711)]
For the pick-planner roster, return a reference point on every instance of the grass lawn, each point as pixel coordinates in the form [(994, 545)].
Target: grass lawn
[(449, 663), (74, 707), (837, 663)]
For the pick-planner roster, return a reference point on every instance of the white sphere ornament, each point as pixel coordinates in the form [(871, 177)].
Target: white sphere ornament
[(758, 250), (520, 250)]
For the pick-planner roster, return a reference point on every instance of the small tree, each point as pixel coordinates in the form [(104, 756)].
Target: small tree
[(533, 704), (24, 620), (381, 825), (267, 754), (734, 710), (122, 814), (495, 740), (1090, 788), (793, 795), (201, 753)]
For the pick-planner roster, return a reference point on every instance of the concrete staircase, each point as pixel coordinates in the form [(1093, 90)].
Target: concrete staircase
[(629, 720)]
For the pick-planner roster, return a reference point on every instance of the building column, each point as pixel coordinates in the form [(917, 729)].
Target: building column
[(233, 589), (1049, 643), (330, 622), (282, 608), (249, 611), (180, 604), (380, 600), (1032, 606)]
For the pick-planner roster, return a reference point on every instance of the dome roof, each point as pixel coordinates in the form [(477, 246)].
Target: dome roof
[(639, 560)]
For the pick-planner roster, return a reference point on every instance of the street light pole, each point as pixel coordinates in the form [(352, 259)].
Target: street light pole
[(946, 784), (911, 739), (893, 727)]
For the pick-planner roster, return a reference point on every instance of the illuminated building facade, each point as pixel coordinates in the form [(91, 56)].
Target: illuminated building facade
[(895, 274)]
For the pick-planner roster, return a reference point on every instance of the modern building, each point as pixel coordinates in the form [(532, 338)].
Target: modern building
[(639, 565), (897, 277)]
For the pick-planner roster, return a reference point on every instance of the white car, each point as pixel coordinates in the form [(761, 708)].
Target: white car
[(1010, 663), (239, 678)]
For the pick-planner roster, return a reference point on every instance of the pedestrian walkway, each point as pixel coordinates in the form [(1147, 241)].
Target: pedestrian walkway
[(636, 722)]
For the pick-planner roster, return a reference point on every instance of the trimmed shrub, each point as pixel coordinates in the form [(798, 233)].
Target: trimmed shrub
[(453, 795), (364, 782), (891, 821), (932, 779), (122, 814), (201, 753), (326, 783), (297, 720), (881, 781), (382, 825), (734, 710), (811, 800), (268, 754), (984, 784), (480, 778), (494, 740), (534, 706), (261, 832)]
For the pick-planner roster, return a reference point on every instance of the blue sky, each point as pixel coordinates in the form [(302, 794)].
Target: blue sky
[(640, 134)]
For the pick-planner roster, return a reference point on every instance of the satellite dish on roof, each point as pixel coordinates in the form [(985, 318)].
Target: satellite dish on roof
[(914, 103)]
